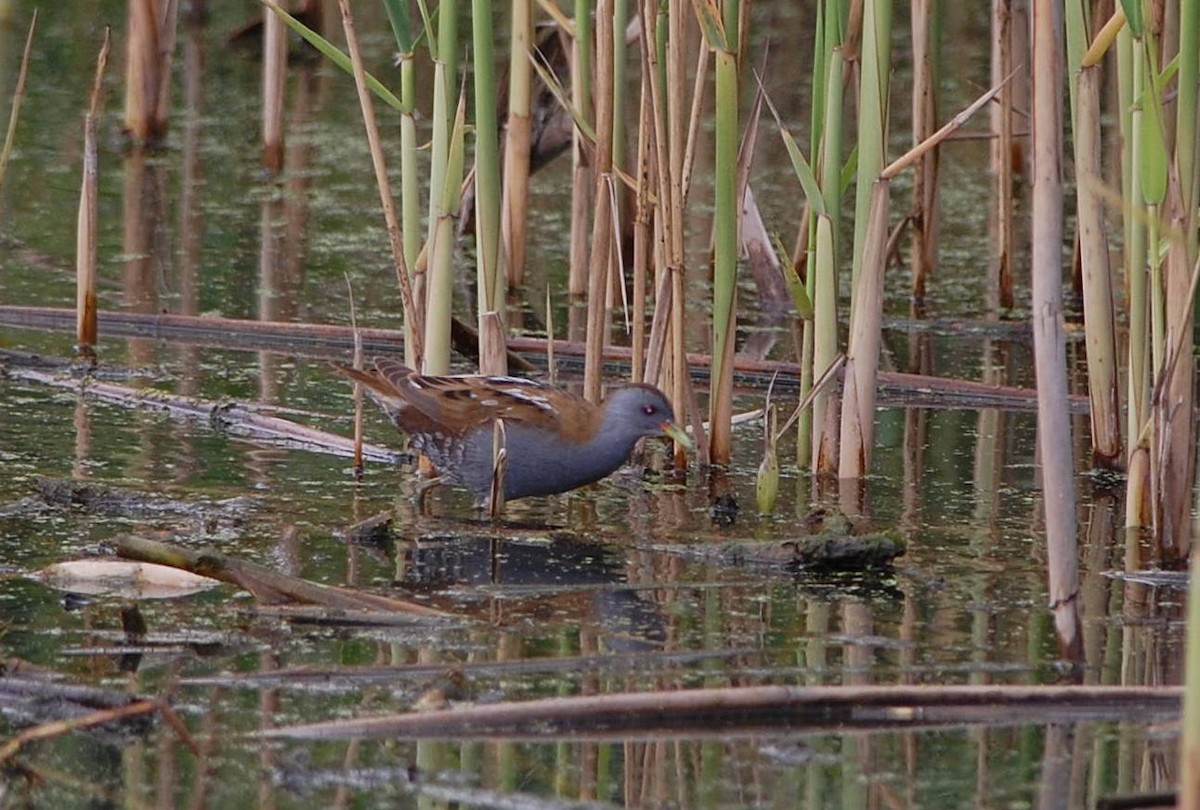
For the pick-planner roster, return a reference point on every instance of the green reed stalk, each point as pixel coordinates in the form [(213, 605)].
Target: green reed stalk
[(487, 178), (872, 117), (441, 251), (724, 39), (824, 267), (410, 213), (440, 243), (807, 237), (620, 74), (1129, 88)]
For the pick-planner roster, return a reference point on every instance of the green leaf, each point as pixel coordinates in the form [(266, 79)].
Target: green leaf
[(1152, 160), (710, 22), (334, 55), (1133, 17), (398, 16), (808, 180), (791, 278), (766, 485), (849, 172)]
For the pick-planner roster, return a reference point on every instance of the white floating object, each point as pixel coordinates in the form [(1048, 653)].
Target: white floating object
[(133, 580)]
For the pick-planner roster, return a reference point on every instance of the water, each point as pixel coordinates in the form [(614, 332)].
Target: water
[(605, 588)]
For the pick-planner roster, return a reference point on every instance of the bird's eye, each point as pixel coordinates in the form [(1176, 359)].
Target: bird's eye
[(649, 409)]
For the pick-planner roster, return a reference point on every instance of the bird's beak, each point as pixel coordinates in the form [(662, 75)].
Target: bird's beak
[(679, 435)]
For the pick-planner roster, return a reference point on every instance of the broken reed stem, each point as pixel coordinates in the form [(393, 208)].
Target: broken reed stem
[(14, 113), (274, 90), (517, 134), (144, 72), (86, 327), (396, 239), (358, 397)]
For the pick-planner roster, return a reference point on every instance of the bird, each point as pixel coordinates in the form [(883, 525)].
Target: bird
[(553, 441)]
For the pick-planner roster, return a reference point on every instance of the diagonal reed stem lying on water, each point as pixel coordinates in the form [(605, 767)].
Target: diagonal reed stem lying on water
[(335, 342), (236, 419), (265, 583)]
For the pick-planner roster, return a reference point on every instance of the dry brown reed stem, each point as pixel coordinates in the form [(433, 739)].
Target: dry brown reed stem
[(1000, 271), (1049, 342), (924, 118), (643, 225), (1173, 448), (753, 709), (862, 355), (358, 396), (146, 69), (673, 222), (411, 314), (694, 117), (581, 176), (517, 133), (14, 113), (86, 326), (601, 244), (657, 130), (48, 731), (910, 157), (274, 90), (1099, 319), (266, 584), (1105, 37)]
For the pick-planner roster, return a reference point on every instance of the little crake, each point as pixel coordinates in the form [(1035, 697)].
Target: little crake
[(555, 441)]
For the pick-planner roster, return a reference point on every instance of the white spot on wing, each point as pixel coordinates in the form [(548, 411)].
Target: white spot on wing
[(529, 398)]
